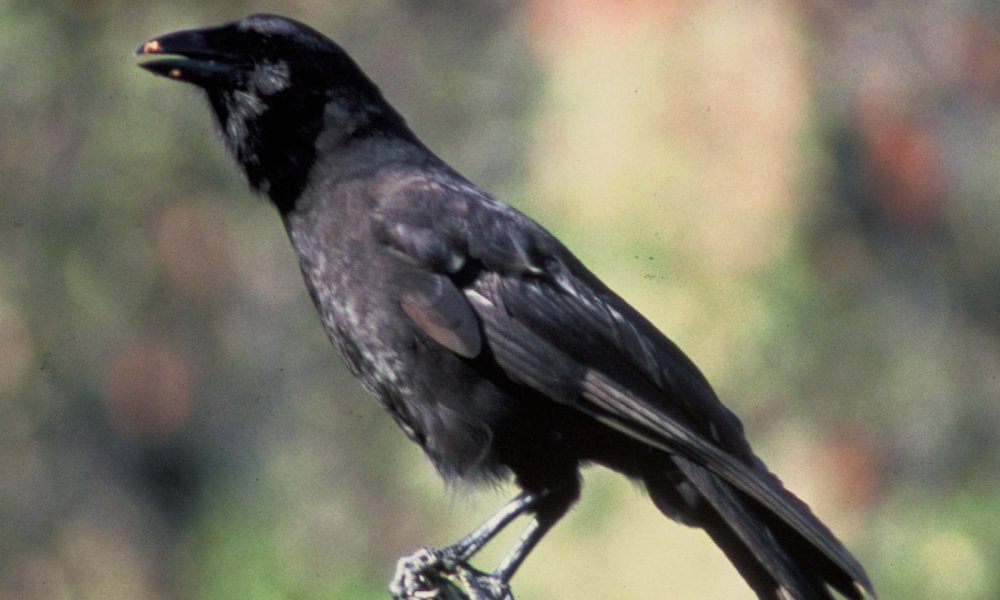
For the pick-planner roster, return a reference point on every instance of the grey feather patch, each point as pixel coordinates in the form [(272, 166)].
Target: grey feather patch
[(442, 312)]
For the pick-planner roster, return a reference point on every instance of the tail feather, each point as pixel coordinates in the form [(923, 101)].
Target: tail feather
[(772, 557)]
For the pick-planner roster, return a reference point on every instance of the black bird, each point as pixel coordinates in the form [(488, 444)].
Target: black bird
[(488, 342)]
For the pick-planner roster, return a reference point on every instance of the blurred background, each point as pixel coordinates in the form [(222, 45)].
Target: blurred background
[(805, 195)]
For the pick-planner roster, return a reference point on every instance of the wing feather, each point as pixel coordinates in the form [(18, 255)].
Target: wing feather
[(440, 310)]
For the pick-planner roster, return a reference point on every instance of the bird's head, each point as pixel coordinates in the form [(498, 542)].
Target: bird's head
[(275, 87)]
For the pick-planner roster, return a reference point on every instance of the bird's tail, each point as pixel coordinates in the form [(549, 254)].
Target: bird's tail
[(776, 561)]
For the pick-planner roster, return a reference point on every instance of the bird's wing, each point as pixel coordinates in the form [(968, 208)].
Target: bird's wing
[(551, 325), (584, 346), (542, 354)]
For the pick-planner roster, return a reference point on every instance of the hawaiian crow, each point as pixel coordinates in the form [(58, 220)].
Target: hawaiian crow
[(488, 342)]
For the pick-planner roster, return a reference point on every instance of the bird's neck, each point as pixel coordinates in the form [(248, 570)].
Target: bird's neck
[(278, 141)]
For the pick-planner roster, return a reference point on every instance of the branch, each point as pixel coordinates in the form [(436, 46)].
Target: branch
[(430, 574)]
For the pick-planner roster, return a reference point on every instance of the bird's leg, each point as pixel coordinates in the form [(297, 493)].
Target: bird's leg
[(430, 572), (472, 543), (528, 540)]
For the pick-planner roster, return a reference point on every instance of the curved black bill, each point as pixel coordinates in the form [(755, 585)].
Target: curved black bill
[(190, 56)]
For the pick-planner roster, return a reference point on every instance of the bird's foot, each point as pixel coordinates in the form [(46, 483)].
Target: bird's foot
[(432, 574)]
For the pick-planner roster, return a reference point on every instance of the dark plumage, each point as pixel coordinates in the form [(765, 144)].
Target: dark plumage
[(490, 344)]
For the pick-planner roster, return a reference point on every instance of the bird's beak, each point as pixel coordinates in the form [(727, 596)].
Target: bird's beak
[(191, 57)]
